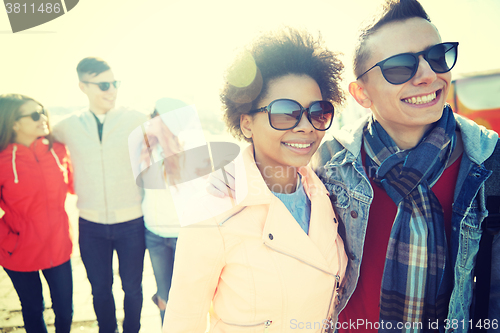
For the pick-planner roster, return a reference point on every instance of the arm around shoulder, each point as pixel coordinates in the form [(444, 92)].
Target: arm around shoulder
[(58, 130), (65, 160)]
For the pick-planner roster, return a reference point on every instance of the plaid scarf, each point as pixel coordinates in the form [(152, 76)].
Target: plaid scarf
[(417, 280)]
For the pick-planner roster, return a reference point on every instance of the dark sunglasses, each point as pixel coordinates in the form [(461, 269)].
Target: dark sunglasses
[(285, 114), (400, 68), (34, 115), (104, 86)]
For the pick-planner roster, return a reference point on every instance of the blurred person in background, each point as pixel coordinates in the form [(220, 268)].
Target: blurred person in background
[(109, 201), (35, 177), (160, 215)]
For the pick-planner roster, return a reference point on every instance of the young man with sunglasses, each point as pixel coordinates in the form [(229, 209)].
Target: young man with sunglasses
[(109, 201), (407, 182)]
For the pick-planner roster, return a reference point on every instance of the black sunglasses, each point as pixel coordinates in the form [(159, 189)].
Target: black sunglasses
[(285, 114), (104, 86), (400, 68), (34, 115)]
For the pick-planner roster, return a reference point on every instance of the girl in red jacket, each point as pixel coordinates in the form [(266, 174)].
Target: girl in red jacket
[(35, 176)]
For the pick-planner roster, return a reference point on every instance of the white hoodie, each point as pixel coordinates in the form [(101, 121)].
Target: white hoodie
[(103, 177)]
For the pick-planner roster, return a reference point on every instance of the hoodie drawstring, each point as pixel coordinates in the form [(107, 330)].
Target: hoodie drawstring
[(63, 169), (57, 160), (16, 179)]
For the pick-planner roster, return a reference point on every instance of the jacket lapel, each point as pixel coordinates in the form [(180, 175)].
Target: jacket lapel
[(323, 230), (281, 232), (89, 124)]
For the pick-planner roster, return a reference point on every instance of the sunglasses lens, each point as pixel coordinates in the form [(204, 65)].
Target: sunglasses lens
[(104, 85), (35, 116), (400, 68), (116, 84), (284, 114), (321, 114), (442, 57)]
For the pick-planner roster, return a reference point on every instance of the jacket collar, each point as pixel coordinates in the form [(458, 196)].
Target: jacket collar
[(479, 142), (38, 146), (87, 110), (251, 188), (316, 249), (350, 136), (89, 116), (345, 148)]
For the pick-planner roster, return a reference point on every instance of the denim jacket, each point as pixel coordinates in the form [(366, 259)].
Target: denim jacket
[(339, 165)]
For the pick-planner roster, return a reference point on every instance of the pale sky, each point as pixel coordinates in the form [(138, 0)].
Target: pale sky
[(179, 49)]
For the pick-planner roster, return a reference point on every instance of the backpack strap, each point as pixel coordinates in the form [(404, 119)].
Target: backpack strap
[(491, 227)]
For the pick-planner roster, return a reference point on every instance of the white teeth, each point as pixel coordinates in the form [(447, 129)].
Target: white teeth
[(298, 145), (421, 99)]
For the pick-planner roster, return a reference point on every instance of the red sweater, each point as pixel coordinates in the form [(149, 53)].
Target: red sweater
[(34, 231), (364, 303)]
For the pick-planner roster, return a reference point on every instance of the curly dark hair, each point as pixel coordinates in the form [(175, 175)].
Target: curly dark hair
[(271, 56), (391, 11)]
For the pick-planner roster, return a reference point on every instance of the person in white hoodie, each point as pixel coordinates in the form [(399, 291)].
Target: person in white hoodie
[(167, 161), (109, 201)]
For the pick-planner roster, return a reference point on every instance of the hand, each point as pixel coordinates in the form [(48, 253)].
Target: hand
[(222, 181), (158, 133)]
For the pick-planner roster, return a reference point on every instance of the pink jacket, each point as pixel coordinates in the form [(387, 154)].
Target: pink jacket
[(262, 272)]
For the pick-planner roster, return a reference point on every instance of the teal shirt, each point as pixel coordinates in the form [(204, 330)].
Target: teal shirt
[(299, 205)]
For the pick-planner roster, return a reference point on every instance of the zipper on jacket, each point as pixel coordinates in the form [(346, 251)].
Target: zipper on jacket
[(335, 300), (231, 216), (42, 176), (103, 170), (337, 287), (104, 186), (266, 324), (34, 151), (98, 123), (331, 305)]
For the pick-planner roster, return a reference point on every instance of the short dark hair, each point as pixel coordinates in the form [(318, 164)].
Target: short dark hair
[(91, 65), (271, 56), (392, 11)]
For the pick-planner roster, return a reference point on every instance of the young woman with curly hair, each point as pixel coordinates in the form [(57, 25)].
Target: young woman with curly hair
[(273, 261)]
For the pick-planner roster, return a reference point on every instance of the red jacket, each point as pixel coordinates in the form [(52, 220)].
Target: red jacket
[(34, 231)]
